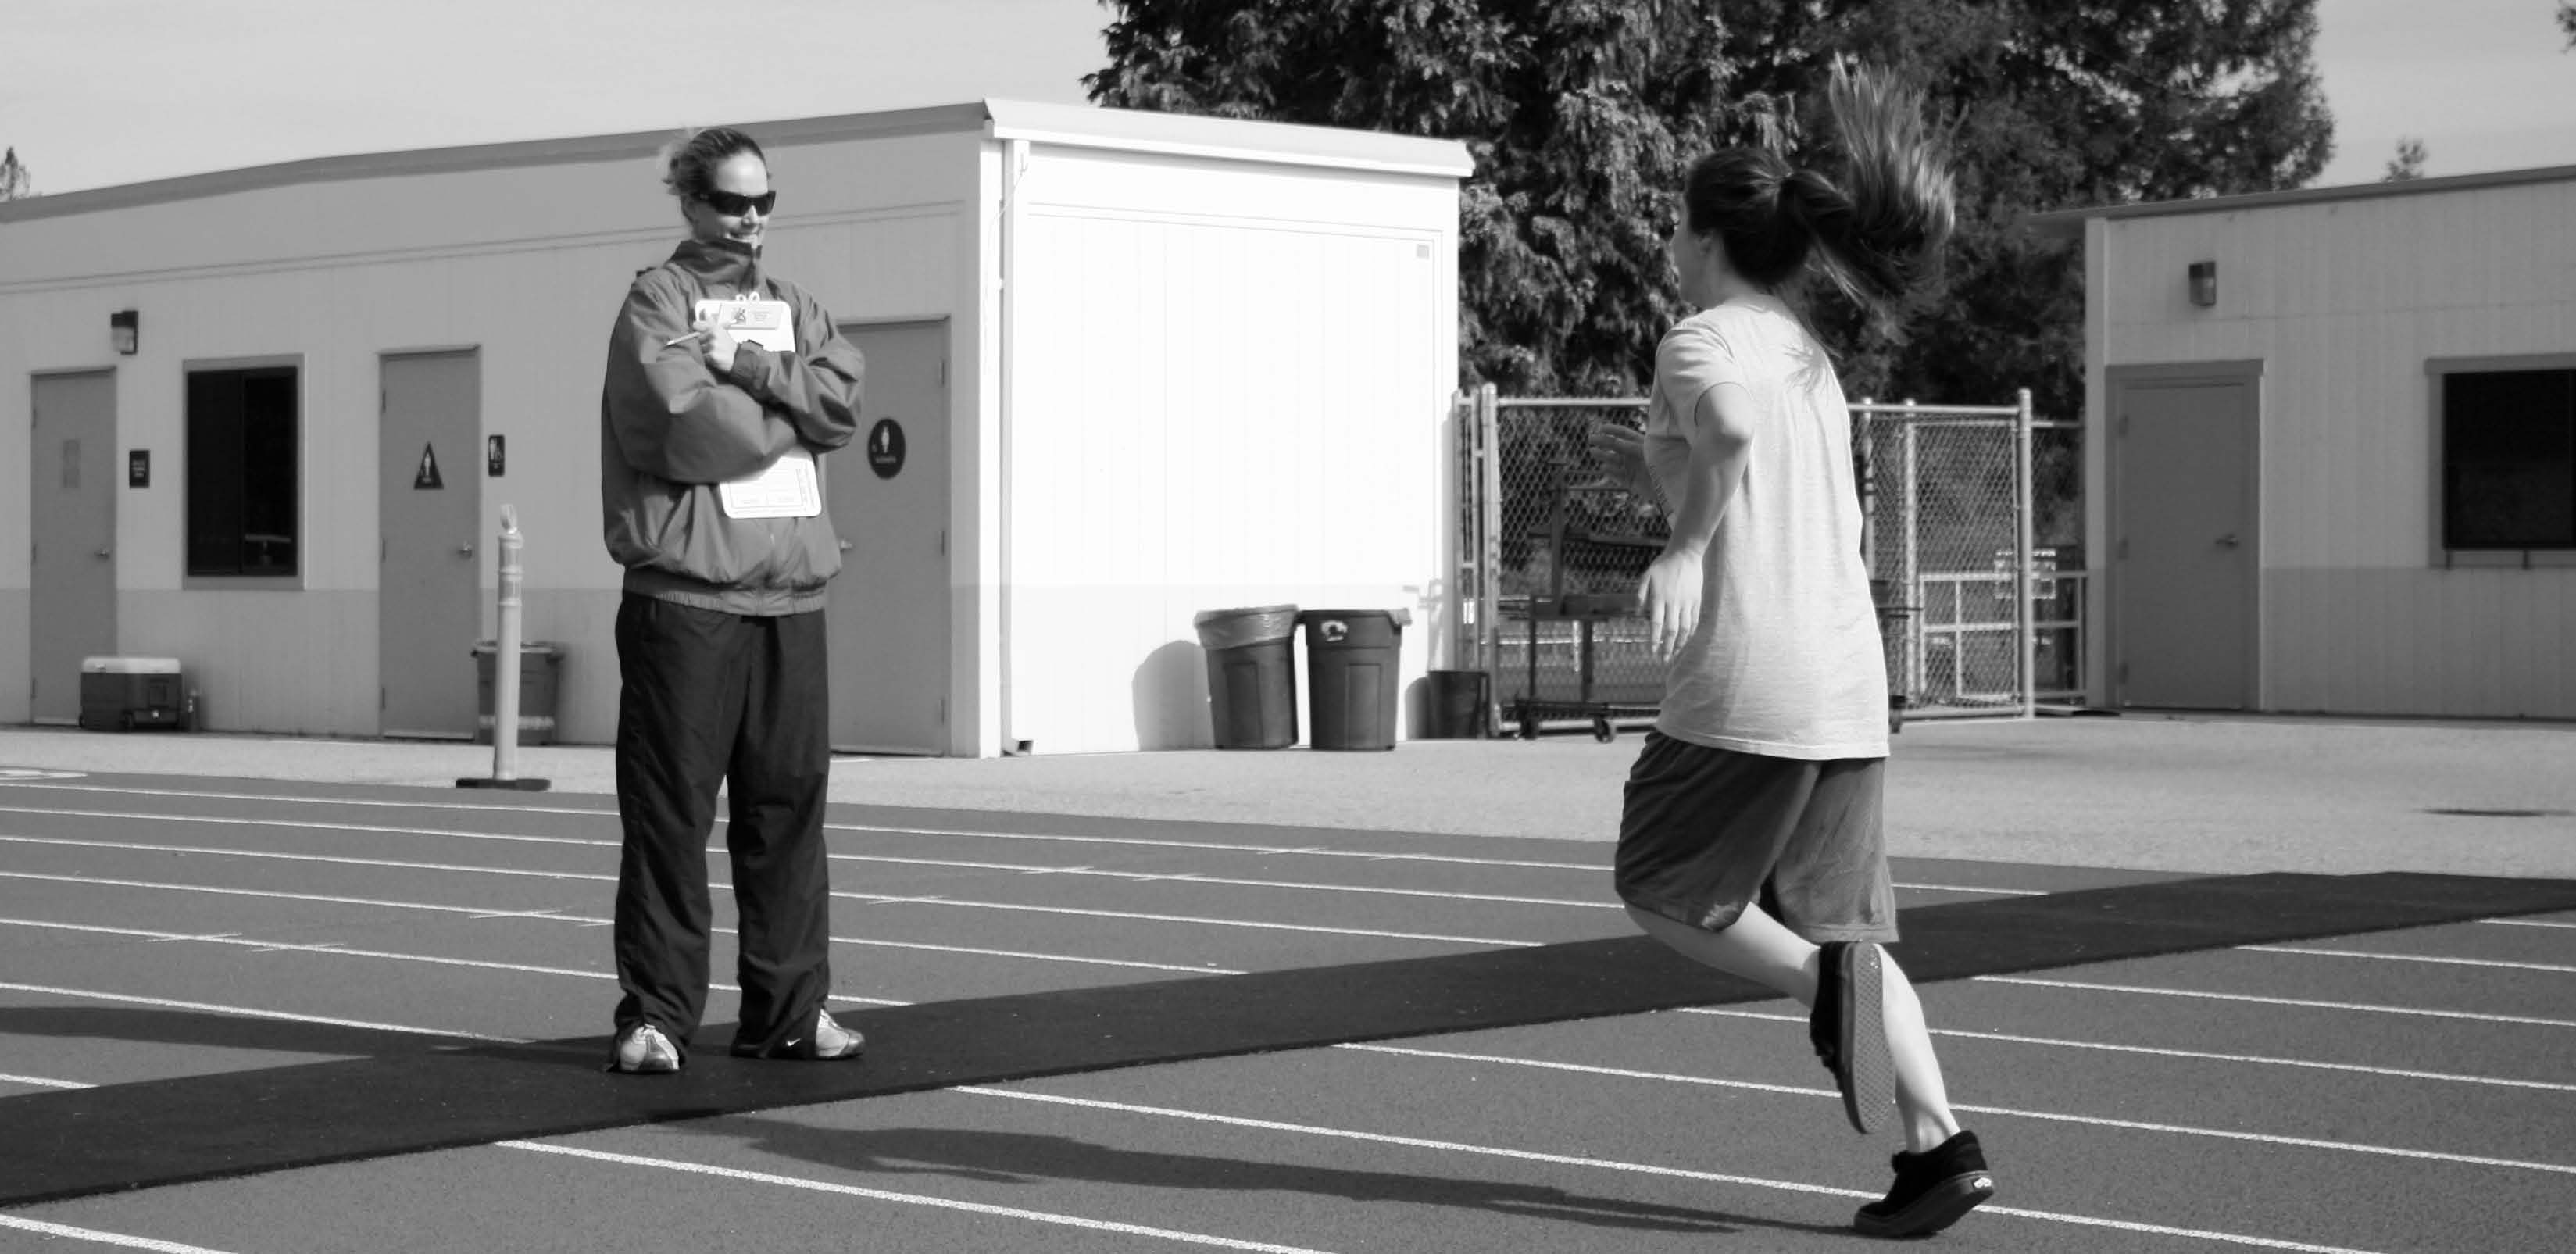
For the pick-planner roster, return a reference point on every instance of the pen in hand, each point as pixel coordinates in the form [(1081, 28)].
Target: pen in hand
[(675, 343)]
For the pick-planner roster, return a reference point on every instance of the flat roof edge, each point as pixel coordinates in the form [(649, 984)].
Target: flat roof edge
[(1183, 134), (2070, 222), (1133, 130)]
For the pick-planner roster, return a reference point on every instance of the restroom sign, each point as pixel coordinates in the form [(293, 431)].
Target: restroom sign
[(428, 476), (885, 448)]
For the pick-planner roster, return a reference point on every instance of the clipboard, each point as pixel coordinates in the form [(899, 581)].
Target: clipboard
[(788, 487)]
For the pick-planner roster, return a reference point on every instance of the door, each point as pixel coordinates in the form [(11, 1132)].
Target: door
[(888, 493), (429, 511), (2183, 542), (72, 509)]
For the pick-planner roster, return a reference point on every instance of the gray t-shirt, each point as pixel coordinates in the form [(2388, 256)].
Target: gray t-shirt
[(1786, 660)]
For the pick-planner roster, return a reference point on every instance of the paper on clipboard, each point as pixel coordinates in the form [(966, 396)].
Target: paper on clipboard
[(769, 323), (787, 487)]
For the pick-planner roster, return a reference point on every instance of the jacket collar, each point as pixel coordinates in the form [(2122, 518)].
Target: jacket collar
[(722, 262)]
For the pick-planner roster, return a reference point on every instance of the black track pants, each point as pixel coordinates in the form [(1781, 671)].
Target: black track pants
[(709, 698)]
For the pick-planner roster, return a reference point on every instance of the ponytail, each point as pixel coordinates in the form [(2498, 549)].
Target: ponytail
[(1876, 227), (1881, 230)]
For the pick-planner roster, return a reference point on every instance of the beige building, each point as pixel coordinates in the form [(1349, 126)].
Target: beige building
[(2334, 463), (263, 421)]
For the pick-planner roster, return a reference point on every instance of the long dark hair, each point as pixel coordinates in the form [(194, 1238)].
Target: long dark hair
[(1875, 226), (689, 162)]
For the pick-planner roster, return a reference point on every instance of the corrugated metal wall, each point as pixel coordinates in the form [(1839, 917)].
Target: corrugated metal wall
[(2345, 302)]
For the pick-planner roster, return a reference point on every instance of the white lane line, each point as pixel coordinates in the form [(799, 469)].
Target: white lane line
[(94, 1236), (275, 855), (2529, 922), (1589, 903), (907, 1199), (2093, 1121), (2438, 959), (312, 825), (1567, 1160), (558, 916), (1134, 915), (1486, 941), (2396, 1073), (1140, 842), (334, 950), (889, 860), (252, 1013), (2363, 1007), (37, 1081)]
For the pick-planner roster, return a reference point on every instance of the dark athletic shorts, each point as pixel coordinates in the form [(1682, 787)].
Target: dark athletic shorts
[(1705, 832)]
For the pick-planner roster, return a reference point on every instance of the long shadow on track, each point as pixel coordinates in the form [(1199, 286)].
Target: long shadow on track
[(67, 1144)]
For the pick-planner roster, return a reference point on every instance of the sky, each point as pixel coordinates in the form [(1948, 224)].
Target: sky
[(95, 93)]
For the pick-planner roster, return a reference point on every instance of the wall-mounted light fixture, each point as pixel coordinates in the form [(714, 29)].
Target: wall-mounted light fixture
[(125, 331), (2204, 283)]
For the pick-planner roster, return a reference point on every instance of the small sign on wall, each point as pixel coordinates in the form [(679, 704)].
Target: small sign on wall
[(138, 468), (885, 448)]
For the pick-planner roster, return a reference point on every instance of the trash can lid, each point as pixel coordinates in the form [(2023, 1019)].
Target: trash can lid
[(1399, 616), (1204, 617)]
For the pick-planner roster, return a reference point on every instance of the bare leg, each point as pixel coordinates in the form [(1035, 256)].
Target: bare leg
[(1758, 948)]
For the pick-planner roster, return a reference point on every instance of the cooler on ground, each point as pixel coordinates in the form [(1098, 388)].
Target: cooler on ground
[(123, 693)]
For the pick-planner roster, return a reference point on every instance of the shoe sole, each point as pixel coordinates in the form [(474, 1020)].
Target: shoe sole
[(1865, 1074), (1938, 1208)]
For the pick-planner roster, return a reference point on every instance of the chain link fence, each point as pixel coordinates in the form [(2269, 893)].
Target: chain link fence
[(1971, 545)]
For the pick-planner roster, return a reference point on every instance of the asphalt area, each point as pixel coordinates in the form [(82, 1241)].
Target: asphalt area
[(254, 1016)]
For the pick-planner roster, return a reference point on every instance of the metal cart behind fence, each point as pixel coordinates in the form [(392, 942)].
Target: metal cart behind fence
[(1584, 654)]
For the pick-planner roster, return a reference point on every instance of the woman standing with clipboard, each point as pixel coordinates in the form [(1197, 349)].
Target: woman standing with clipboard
[(720, 640)]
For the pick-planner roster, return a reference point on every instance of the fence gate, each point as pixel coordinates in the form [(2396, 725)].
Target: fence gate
[(1972, 518)]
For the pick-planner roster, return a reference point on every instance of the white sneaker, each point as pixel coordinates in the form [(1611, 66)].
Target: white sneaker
[(832, 1041), (643, 1050)]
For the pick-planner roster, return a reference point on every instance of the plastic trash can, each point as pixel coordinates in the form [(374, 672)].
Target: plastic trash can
[(1350, 687), (1252, 675), (540, 663), (1462, 705)]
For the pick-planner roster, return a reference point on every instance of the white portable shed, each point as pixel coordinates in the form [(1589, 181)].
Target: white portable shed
[(2332, 464), (1140, 366)]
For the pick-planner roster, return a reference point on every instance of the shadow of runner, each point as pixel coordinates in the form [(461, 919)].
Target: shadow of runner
[(1028, 1158)]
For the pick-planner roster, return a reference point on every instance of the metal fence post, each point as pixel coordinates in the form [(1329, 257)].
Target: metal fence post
[(2025, 614), (1489, 527), (505, 670)]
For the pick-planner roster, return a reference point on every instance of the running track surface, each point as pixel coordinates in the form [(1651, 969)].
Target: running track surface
[(2406, 1089)]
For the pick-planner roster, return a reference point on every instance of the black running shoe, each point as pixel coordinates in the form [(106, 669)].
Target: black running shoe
[(1932, 1190), (1848, 1028)]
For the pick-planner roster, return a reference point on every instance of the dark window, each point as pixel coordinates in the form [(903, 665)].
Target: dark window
[(242, 477), (2509, 460)]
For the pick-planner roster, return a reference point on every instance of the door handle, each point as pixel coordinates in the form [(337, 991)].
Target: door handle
[(103, 552), (465, 550), (2229, 540)]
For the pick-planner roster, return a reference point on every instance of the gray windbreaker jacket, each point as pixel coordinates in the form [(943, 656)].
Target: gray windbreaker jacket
[(671, 429)]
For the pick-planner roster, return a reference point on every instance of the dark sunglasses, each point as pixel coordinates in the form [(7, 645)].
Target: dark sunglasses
[(735, 204)]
